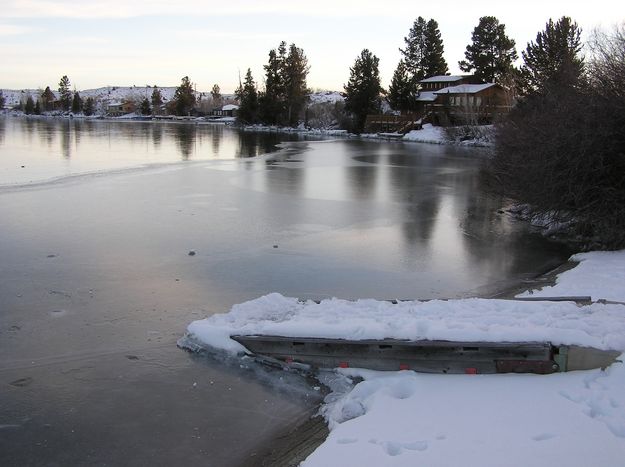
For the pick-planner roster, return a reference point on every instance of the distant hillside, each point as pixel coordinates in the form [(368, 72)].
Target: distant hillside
[(109, 94)]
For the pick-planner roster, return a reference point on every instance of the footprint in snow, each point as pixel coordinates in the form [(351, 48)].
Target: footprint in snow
[(543, 436)]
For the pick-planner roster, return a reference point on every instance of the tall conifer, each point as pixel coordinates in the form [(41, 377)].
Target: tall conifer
[(363, 90), (491, 54), (433, 60), (554, 59)]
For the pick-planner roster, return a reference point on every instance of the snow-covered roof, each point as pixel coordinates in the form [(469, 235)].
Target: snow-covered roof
[(426, 96), (465, 89), (230, 107), (442, 79)]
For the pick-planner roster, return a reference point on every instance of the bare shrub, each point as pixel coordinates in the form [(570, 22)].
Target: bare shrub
[(563, 151)]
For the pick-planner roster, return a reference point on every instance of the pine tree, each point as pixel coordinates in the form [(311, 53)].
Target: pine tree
[(216, 95), (184, 97), (286, 91), (89, 107), (554, 59), (272, 100), (296, 91), (423, 54), (2, 101), (65, 93), (157, 99), (491, 53), (403, 91), (433, 61), (414, 52), (77, 103), (37, 110), (47, 97), (145, 107), (247, 95), (29, 107), (363, 89)]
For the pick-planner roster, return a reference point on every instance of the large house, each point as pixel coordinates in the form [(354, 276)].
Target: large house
[(461, 99), (448, 100), (470, 104)]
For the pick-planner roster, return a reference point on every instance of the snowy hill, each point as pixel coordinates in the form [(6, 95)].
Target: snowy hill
[(137, 93)]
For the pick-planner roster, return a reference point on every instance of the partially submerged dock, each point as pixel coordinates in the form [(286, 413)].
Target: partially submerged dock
[(428, 356)]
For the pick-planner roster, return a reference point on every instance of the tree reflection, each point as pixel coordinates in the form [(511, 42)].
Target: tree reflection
[(217, 134), (185, 135), (65, 130), (157, 134)]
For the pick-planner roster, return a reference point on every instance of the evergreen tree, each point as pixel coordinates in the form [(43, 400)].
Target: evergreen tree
[(89, 107), (554, 59), (145, 107), (65, 93), (286, 91), (77, 103), (247, 95), (2, 101), (414, 52), (296, 91), (491, 53), (157, 99), (433, 61), (403, 91), (363, 89), (423, 54), (216, 95), (184, 97), (272, 100), (47, 97), (29, 107), (37, 109)]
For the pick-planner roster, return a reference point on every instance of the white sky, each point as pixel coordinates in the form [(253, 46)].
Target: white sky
[(121, 42)]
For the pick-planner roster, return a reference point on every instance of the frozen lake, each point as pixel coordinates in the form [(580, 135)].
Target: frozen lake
[(96, 282)]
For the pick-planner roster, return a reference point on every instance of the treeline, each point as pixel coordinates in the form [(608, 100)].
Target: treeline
[(185, 100), (562, 148), (286, 93)]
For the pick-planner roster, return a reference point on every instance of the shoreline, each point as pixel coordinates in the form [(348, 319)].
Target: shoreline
[(259, 128)]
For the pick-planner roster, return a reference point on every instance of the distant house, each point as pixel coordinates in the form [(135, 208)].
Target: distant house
[(119, 108), (228, 110)]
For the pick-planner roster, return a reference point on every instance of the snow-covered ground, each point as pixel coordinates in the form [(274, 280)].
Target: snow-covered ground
[(405, 418), (428, 134)]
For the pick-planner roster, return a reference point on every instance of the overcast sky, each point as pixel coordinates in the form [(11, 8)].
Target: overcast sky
[(139, 42)]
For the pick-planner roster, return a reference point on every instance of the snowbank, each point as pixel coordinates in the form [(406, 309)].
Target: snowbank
[(409, 419), (600, 274), (463, 135), (428, 134)]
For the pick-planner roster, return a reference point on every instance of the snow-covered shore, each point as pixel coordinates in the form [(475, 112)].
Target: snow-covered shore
[(405, 418)]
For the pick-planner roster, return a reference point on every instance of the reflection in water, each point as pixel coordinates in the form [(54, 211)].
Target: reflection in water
[(157, 135), (185, 137), (218, 134), (66, 139), (353, 218), (92, 145)]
